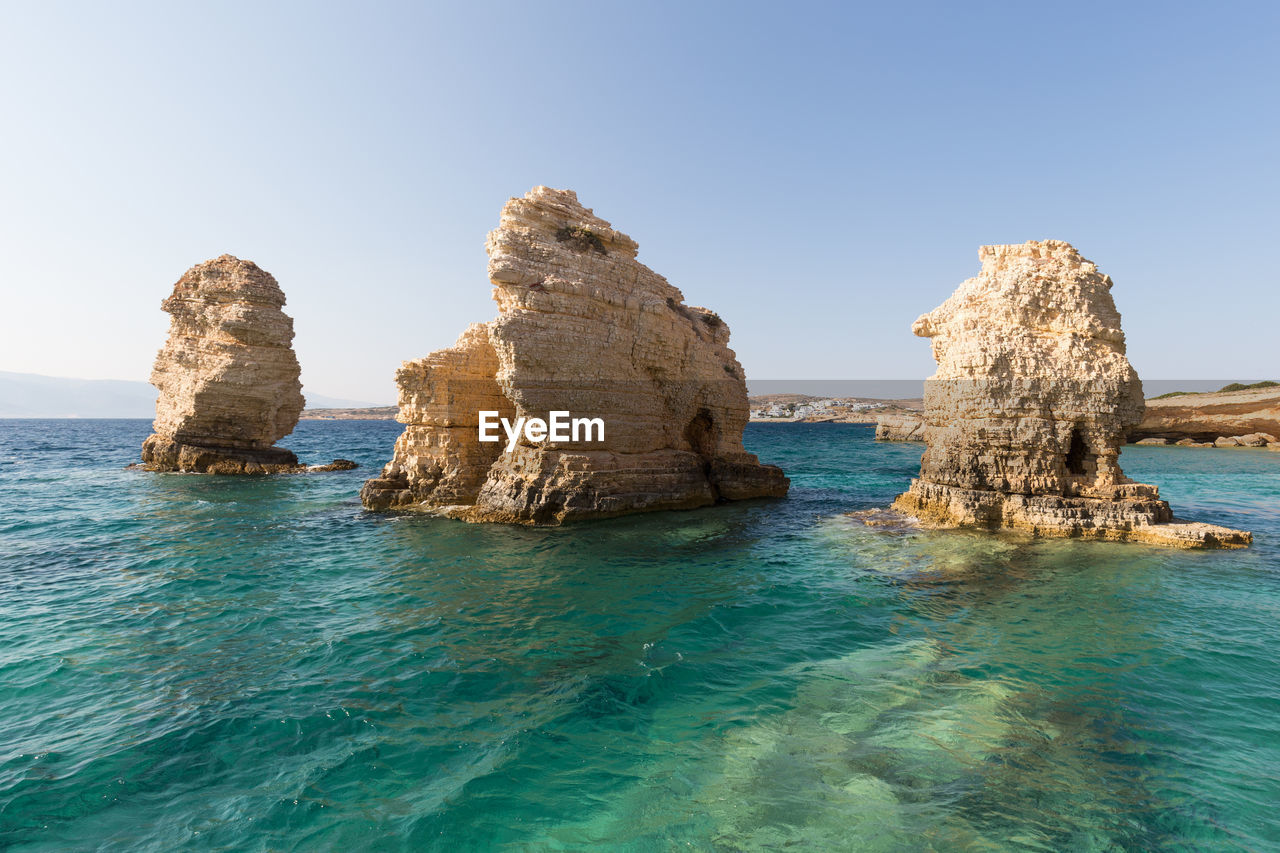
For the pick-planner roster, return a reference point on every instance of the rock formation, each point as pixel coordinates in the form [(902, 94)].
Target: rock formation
[(900, 428), (1030, 404), (583, 328), (1208, 416), (227, 375)]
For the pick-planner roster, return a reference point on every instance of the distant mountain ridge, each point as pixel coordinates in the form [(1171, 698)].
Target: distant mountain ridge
[(30, 395)]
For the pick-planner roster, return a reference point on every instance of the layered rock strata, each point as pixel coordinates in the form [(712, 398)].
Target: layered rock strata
[(1253, 439), (1030, 405), (582, 328), (900, 428), (227, 375), (1207, 417)]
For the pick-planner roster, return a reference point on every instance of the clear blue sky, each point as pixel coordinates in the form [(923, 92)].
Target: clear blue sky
[(819, 174)]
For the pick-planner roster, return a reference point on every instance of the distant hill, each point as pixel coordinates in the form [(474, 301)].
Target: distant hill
[(30, 395)]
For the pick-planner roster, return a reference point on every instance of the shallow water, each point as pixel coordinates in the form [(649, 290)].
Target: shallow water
[(257, 664)]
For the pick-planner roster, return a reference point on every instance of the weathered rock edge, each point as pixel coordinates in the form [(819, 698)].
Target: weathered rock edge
[(1029, 407), (582, 327), (1208, 416), (900, 427), (188, 459)]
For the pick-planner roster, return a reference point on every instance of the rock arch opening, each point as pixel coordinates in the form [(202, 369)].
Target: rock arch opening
[(701, 434), (1077, 454)]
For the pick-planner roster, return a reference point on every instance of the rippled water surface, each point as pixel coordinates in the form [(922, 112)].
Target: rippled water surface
[(247, 664)]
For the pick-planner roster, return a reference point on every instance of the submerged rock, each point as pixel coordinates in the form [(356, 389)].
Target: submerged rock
[(227, 376), (582, 328), (1030, 405), (335, 465)]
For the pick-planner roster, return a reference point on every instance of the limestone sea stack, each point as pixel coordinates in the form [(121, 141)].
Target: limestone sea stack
[(227, 376), (582, 328), (1028, 409)]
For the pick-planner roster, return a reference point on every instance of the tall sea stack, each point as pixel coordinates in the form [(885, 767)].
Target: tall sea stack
[(586, 329), (1028, 409), (227, 376)]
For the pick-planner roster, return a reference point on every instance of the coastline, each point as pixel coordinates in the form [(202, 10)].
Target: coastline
[(807, 408), (371, 413)]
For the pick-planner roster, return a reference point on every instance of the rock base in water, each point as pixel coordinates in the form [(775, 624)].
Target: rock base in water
[(162, 454), (1134, 513), (614, 486)]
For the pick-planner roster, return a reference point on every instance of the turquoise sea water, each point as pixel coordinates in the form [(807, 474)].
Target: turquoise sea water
[(250, 664)]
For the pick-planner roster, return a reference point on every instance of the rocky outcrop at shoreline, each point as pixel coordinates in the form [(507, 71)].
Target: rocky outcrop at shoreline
[(1030, 405), (227, 375), (1189, 415), (900, 427), (582, 328), (1254, 439), (1206, 417)]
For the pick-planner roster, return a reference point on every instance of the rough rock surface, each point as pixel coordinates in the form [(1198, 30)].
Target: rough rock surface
[(1208, 416), (1030, 405), (227, 375), (582, 327), (899, 428), (335, 465)]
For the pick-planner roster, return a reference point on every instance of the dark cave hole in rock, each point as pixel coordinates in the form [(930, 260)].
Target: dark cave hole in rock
[(700, 433), (1077, 452)]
